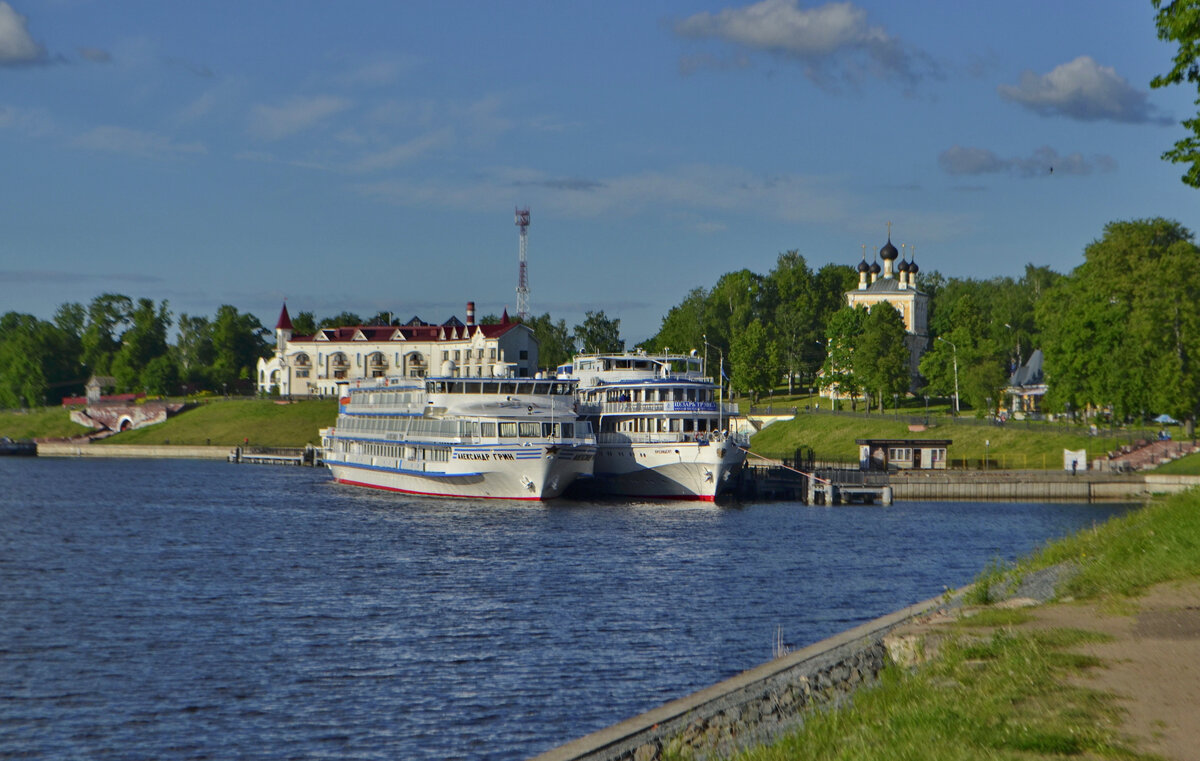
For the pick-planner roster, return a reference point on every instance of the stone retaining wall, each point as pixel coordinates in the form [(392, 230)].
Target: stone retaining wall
[(1019, 486), (752, 707), (76, 449)]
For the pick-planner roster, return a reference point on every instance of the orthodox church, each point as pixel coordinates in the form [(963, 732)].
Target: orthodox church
[(895, 284)]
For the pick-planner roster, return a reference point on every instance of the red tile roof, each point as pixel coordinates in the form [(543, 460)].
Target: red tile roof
[(285, 321)]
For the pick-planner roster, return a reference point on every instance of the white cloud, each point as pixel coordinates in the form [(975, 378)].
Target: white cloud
[(131, 142), (32, 122), (96, 55), (16, 46), (404, 152), (1082, 89), (826, 39), (1043, 162), (296, 115), (701, 190)]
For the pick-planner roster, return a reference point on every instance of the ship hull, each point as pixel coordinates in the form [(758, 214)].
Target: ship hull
[(529, 476), (677, 470)]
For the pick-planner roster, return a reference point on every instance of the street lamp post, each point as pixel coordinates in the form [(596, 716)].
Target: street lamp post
[(955, 348)]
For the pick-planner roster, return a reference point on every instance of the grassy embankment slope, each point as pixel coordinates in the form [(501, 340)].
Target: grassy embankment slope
[(219, 423), (995, 690), (40, 423), (1014, 446)]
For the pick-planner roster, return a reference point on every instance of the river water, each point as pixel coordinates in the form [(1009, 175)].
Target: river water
[(156, 609)]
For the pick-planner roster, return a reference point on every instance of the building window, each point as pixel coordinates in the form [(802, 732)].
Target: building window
[(524, 354), (492, 353)]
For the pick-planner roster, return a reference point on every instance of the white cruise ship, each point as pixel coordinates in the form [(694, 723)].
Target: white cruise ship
[(662, 430), (491, 438)]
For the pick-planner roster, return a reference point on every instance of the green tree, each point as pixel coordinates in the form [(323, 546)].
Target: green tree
[(1120, 332), (107, 316), (554, 340), (144, 340), (683, 326), (304, 324), (839, 374), (598, 333), (796, 328), (161, 375), (36, 366), (194, 353), (340, 320), (881, 355), (1179, 21), (238, 342), (753, 360)]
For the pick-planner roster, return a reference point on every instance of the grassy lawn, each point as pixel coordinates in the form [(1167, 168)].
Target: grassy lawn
[(219, 423), (1184, 466), (229, 423), (998, 692), (43, 422), (1015, 446)]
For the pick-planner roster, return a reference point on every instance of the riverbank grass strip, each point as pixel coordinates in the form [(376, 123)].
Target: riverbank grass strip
[(1006, 695)]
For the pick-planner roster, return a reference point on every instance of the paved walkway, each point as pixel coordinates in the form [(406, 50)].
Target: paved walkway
[(1151, 663)]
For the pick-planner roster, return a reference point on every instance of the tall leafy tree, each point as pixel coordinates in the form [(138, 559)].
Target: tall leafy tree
[(37, 365), (881, 356), (1179, 21), (1118, 333), (554, 340), (683, 327), (753, 360), (839, 374), (107, 316), (304, 324), (143, 341), (194, 351), (598, 333), (340, 320), (238, 342), (797, 330)]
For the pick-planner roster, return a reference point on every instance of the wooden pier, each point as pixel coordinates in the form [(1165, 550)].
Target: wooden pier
[(778, 480), (309, 456)]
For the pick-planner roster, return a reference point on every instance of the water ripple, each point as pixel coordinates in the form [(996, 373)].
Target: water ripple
[(191, 610)]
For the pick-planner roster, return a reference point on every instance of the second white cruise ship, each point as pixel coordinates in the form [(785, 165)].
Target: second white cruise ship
[(662, 430)]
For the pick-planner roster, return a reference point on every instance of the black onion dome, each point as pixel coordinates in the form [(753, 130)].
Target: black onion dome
[(888, 252), (875, 268), (913, 268), (903, 266), (863, 266)]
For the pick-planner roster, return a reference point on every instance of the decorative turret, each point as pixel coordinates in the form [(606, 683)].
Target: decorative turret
[(283, 330), (863, 270)]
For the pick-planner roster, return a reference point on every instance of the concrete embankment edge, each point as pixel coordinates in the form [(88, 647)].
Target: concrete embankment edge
[(75, 449), (753, 706)]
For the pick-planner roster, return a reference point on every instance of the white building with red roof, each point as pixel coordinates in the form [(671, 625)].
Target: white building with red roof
[(317, 365)]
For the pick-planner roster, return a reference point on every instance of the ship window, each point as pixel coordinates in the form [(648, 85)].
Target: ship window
[(487, 429), (549, 430), (530, 430), (508, 388), (568, 430), (508, 430)]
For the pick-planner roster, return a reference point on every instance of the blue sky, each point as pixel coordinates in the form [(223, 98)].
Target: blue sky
[(368, 156)]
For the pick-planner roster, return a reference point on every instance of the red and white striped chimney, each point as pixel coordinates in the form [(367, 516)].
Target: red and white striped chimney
[(470, 312)]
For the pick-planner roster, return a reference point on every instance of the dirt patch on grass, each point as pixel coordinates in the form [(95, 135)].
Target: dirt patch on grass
[(1152, 662)]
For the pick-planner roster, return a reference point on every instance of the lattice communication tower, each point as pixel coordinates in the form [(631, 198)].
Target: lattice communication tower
[(522, 218)]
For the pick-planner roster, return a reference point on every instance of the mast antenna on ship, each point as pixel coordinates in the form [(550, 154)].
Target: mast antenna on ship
[(522, 219)]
